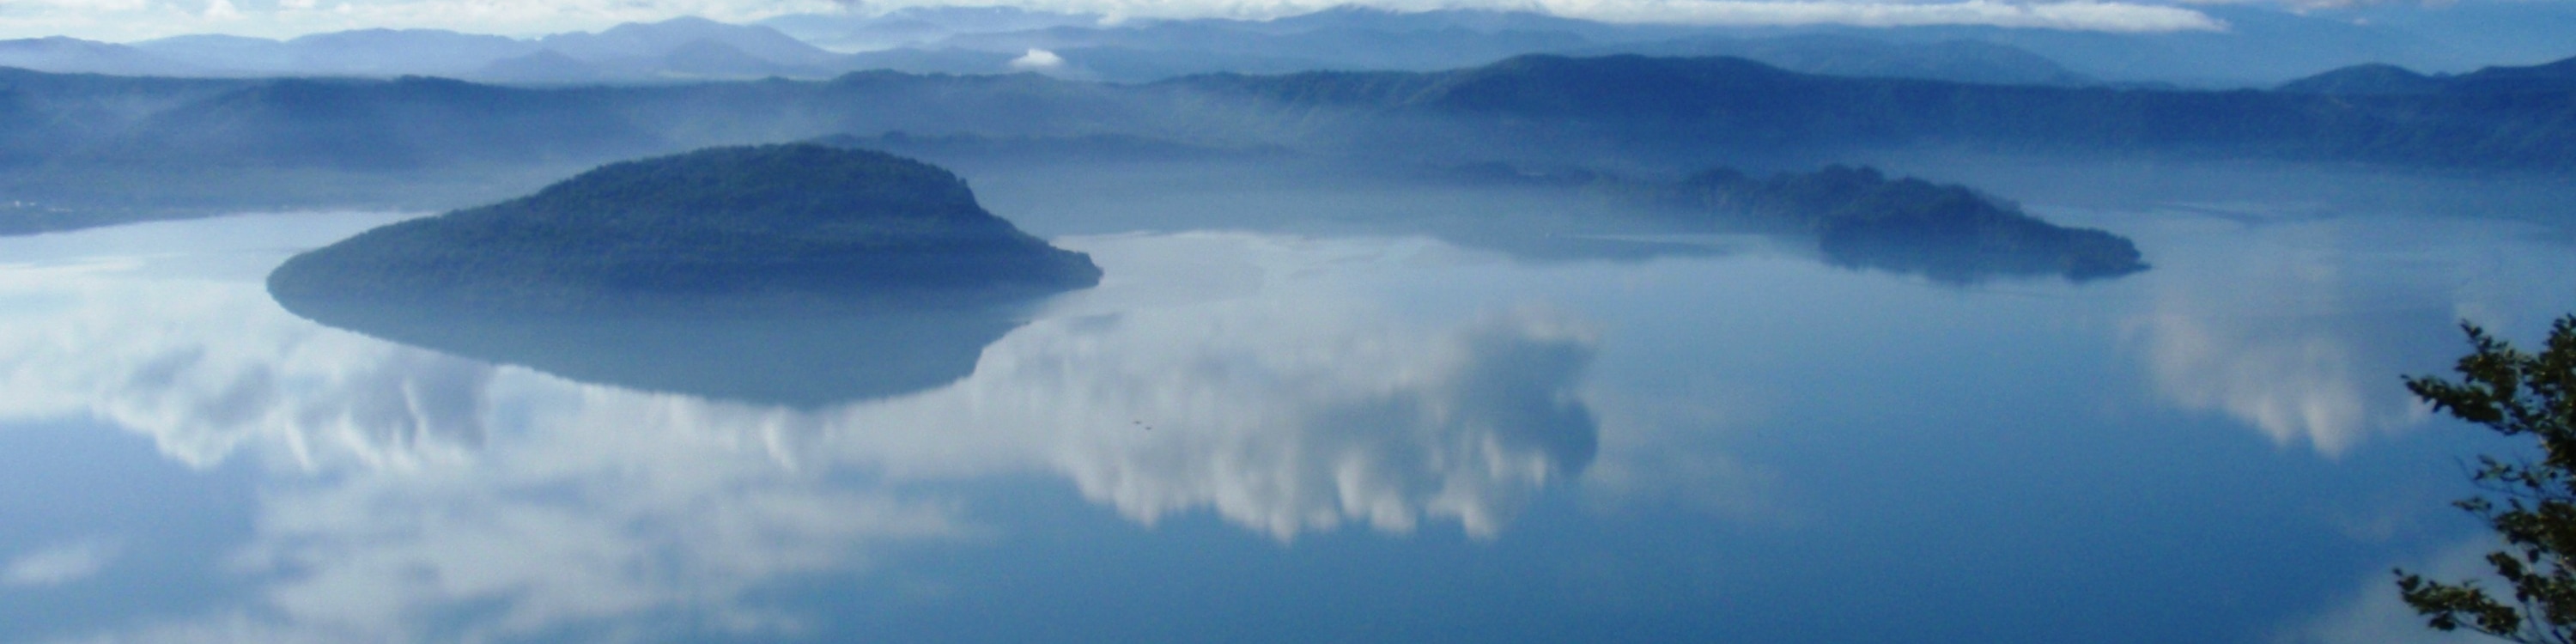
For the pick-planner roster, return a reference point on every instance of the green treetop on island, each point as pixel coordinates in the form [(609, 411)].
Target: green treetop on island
[(1860, 217), (803, 221)]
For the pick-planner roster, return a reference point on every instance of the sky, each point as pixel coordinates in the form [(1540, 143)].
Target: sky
[(132, 20)]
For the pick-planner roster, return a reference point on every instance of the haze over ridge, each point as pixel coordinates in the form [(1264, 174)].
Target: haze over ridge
[(126, 20), (1986, 41)]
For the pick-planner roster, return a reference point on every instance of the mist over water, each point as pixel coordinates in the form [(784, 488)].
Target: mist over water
[(1603, 320), (1337, 406)]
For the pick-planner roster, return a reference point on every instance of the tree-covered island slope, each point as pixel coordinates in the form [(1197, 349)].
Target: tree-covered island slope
[(795, 223), (1859, 217)]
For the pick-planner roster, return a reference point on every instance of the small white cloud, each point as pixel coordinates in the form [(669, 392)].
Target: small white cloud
[(1038, 60), (2077, 15), (92, 5), (222, 10), (58, 565)]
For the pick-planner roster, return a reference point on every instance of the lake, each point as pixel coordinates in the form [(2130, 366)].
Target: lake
[(1299, 427)]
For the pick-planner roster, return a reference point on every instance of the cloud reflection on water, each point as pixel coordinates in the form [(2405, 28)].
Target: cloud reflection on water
[(569, 525), (58, 564), (207, 368), (430, 496), (1281, 417), (2292, 384), (2302, 329)]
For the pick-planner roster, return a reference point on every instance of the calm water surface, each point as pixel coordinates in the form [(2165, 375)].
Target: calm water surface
[(1253, 436)]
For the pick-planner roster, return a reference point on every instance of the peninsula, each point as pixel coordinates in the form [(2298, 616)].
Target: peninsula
[(1859, 217)]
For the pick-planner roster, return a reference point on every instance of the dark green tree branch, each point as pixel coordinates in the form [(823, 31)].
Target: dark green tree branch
[(2531, 504)]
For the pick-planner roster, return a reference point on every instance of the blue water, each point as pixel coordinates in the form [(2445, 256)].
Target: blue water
[(1265, 436)]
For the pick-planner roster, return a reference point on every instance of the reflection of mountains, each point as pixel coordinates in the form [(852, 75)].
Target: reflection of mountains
[(786, 355), (1854, 217)]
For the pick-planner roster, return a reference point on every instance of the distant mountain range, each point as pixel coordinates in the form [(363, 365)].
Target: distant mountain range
[(693, 49), (1554, 109), (682, 49), (128, 146), (2391, 80), (2259, 47)]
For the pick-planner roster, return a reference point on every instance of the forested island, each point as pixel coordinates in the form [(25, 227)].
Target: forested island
[(781, 274), (796, 222), (1859, 217)]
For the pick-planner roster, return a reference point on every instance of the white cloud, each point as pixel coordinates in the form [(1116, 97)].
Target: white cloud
[(129, 20), (416, 509), (2311, 5), (1038, 60), (1303, 409), (442, 483), (59, 564), (573, 525), (2077, 15), (2295, 380), (251, 376), (1283, 424), (1298, 410), (87, 5), (2301, 329), (2262, 331), (124, 20), (422, 510), (232, 628)]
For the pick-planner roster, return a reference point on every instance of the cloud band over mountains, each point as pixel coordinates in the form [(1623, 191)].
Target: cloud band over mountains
[(131, 20)]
